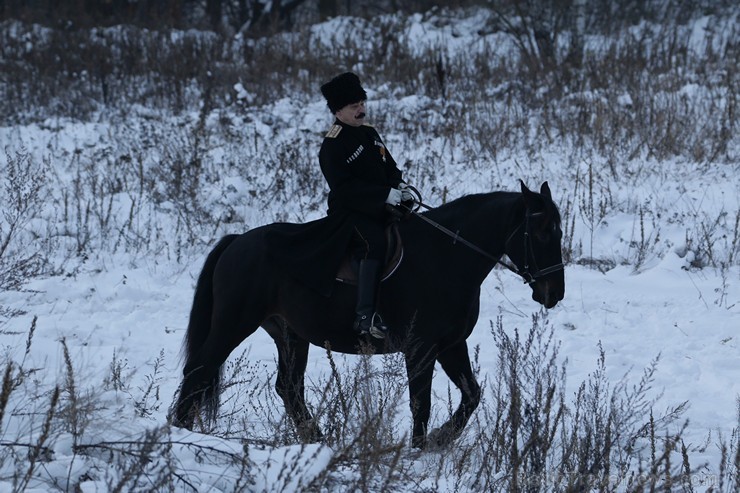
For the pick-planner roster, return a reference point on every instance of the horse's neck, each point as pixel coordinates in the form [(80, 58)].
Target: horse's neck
[(489, 223), (484, 217), (483, 220)]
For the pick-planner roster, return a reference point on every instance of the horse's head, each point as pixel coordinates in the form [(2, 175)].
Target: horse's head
[(534, 245)]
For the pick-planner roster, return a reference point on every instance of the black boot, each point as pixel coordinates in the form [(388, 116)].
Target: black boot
[(368, 321)]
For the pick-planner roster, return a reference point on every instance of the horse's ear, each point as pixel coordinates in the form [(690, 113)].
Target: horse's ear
[(545, 190), (530, 198)]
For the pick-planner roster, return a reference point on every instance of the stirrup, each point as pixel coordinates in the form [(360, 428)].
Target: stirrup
[(370, 324), (378, 329)]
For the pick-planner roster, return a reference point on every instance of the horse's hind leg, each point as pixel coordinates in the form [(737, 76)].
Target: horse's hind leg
[(201, 385), (455, 362), (292, 361)]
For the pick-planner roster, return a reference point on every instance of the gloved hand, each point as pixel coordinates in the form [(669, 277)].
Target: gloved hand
[(394, 197), (406, 194)]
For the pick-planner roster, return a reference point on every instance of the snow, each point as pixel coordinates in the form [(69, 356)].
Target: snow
[(131, 314), (123, 316)]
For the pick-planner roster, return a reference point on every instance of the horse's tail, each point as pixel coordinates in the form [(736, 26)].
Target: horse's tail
[(199, 325)]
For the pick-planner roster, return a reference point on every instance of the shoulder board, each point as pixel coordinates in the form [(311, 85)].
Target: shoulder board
[(333, 131), (367, 125)]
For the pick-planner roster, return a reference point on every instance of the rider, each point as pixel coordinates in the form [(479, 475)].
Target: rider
[(363, 178)]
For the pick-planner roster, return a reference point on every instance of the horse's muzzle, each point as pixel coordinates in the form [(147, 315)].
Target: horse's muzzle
[(548, 292)]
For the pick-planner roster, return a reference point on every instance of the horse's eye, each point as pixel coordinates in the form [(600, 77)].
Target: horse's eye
[(547, 232)]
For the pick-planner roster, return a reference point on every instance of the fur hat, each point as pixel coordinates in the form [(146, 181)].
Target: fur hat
[(342, 90)]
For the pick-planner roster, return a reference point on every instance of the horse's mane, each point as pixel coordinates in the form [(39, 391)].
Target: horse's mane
[(474, 202), (469, 202)]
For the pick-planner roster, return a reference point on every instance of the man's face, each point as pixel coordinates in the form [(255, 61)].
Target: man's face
[(352, 114)]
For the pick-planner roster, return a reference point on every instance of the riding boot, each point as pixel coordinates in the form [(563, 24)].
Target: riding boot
[(368, 321)]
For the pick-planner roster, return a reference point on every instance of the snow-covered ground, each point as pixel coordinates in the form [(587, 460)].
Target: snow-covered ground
[(654, 274), (137, 316)]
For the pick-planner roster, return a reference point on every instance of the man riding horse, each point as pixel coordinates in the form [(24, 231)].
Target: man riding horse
[(363, 178), (282, 277)]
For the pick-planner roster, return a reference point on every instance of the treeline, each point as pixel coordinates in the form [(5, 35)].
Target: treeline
[(217, 15), (273, 15), (668, 88)]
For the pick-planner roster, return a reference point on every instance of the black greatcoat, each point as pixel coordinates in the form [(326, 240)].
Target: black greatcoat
[(360, 172)]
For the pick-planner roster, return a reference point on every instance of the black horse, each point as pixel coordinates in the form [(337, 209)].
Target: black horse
[(430, 303)]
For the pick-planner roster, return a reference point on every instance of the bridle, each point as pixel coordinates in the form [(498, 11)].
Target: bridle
[(528, 274), (531, 275)]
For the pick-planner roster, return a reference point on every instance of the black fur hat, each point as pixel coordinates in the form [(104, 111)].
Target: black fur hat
[(342, 90)]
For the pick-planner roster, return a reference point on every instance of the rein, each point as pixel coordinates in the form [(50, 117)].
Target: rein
[(525, 273)]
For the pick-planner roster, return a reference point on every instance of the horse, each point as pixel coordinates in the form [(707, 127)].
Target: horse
[(430, 303)]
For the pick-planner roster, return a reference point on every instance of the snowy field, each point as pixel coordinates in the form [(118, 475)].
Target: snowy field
[(138, 316), (126, 316), (653, 276)]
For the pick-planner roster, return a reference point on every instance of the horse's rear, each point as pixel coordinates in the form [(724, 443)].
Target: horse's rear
[(240, 288), (232, 298)]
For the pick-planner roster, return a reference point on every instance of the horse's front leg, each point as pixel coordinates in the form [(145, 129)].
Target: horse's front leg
[(419, 368), (455, 362)]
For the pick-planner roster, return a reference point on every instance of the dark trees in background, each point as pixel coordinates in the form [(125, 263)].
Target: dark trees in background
[(88, 13), (233, 15), (543, 19), (217, 15)]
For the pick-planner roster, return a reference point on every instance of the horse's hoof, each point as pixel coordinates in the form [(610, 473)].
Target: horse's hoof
[(441, 438), (419, 442), (308, 431), (312, 436)]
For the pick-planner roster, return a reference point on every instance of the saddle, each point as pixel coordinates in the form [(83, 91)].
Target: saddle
[(349, 267)]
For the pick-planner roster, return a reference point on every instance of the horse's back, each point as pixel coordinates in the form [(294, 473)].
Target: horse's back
[(244, 257)]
